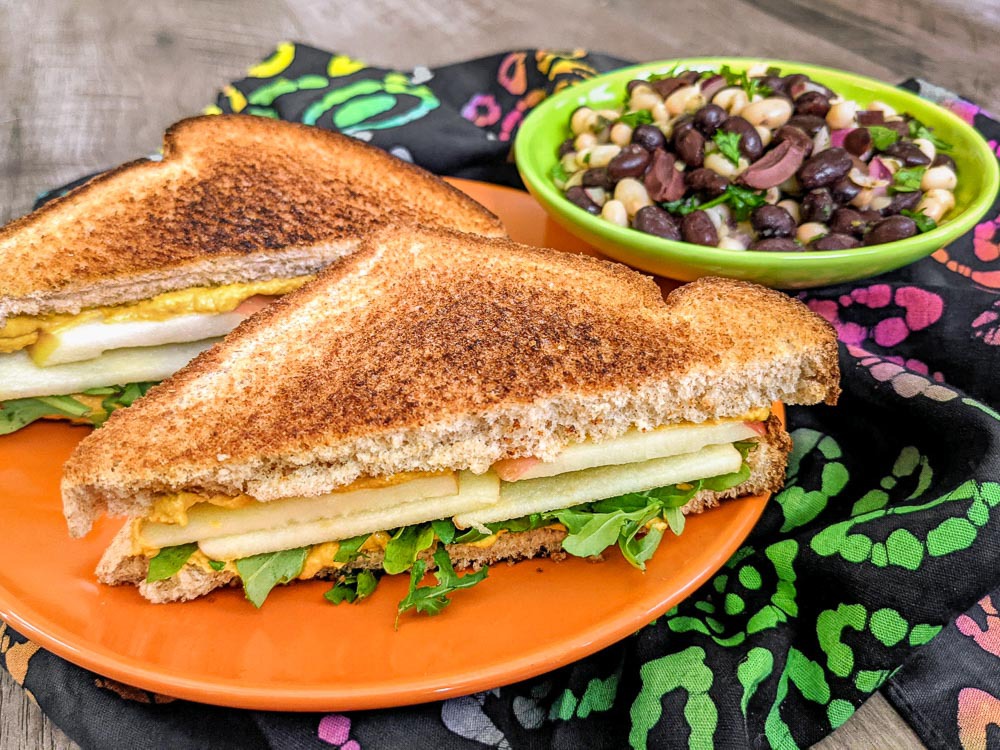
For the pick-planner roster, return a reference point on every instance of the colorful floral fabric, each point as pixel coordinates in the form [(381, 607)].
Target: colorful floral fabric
[(875, 567)]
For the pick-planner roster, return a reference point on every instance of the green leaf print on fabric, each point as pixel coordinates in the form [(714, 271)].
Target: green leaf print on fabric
[(686, 671), (799, 505)]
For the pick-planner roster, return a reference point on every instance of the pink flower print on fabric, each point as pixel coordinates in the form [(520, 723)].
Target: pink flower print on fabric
[(988, 638), (986, 326), (335, 729), (977, 712), (903, 376), (482, 110), (966, 110)]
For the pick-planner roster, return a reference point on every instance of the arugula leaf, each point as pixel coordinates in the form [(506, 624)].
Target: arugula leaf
[(599, 532), (637, 117), (405, 545), (444, 530), (919, 130), (349, 549), (216, 565), (100, 391), (353, 588), (168, 561), (18, 412), (908, 180), (119, 397), (729, 145), (261, 573), (675, 518), (882, 137), (924, 222), (432, 599), (637, 550)]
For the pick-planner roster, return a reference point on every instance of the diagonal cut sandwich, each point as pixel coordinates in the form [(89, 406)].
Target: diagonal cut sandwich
[(448, 400), (128, 277)]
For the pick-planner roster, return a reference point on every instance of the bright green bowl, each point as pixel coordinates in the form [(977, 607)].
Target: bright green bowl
[(547, 126)]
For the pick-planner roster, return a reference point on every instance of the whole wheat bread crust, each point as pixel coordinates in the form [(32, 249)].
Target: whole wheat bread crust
[(235, 199), (429, 350), (119, 566)]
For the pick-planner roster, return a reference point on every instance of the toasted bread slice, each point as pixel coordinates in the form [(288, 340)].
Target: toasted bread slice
[(234, 199), (120, 566), (434, 350)]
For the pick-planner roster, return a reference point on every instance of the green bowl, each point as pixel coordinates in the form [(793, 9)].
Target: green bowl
[(547, 126)]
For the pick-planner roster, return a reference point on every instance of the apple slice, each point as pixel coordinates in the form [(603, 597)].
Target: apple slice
[(206, 521), (632, 447), (475, 491), (519, 499), (22, 378), (91, 339)]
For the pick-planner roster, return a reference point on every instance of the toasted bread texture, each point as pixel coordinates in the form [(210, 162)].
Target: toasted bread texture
[(235, 198), (433, 350), (120, 566)]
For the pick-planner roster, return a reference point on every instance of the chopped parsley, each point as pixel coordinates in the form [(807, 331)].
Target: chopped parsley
[(924, 222), (741, 200), (882, 137), (919, 130), (752, 86), (729, 145), (637, 117), (907, 180)]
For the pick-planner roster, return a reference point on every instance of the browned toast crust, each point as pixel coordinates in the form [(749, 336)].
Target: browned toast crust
[(233, 196), (435, 350)]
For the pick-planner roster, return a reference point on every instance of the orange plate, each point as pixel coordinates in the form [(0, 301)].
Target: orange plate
[(300, 653)]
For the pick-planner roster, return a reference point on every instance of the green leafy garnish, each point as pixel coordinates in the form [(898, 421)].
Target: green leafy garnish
[(168, 561), (729, 145), (684, 206), (402, 550), (216, 565), (349, 549), (431, 600), (261, 573), (752, 86), (675, 519), (444, 530), (559, 174), (919, 130), (882, 137), (669, 73), (353, 588), (19, 412), (908, 180), (924, 222), (637, 117)]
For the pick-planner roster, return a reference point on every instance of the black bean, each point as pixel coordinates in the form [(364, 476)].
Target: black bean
[(598, 177), (825, 168), (835, 241), (793, 79), (631, 161), (709, 118), (891, 229), (858, 142), (683, 124), (909, 153), (578, 197), (943, 160), (871, 117), (775, 83), (901, 128), (649, 137), (808, 124), (666, 86), (797, 89), (663, 182), (690, 147), (751, 145), (844, 191), (566, 147), (654, 220), (812, 103), (818, 205), (796, 135), (698, 229), (848, 221), (772, 221), (710, 184), (902, 202), (870, 217), (776, 245)]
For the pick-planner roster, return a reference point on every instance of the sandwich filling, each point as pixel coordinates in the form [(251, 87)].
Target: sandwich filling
[(625, 491), (68, 365)]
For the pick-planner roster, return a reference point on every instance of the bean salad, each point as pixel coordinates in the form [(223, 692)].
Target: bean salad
[(756, 160)]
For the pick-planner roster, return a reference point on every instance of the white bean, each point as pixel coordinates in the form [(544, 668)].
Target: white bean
[(765, 135), (597, 195), (685, 99), (569, 162), (880, 106), (582, 120), (575, 180), (584, 141), (719, 216), (621, 134), (809, 231), (632, 194), (936, 203), (863, 199), (879, 202), (757, 70), (732, 99), (601, 155), (583, 158), (614, 211), (927, 147), (772, 112), (772, 195), (842, 115), (938, 178), (733, 242), (720, 164), (643, 97), (792, 207), (660, 114)]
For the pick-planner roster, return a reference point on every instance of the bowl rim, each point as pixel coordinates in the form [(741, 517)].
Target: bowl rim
[(546, 192)]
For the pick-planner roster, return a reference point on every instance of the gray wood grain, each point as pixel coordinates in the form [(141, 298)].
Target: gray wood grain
[(91, 83)]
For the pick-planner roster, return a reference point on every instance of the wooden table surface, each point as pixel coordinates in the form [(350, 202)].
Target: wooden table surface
[(88, 84)]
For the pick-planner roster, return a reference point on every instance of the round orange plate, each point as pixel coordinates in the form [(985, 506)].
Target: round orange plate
[(300, 653)]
